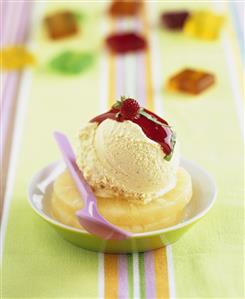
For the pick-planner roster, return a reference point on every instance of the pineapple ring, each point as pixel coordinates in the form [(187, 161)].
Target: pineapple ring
[(133, 216)]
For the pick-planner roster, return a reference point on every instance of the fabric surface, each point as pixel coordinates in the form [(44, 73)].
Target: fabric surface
[(208, 261)]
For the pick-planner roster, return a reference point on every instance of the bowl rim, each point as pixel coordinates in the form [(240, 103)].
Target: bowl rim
[(176, 227)]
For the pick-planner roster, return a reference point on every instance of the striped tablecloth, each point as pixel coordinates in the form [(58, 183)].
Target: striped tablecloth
[(36, 262)]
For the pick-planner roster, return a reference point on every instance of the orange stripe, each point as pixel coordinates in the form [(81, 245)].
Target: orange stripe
[(111, 92), (149, 88), (111, 276), (112, 72), (160, 256), (161, 272)]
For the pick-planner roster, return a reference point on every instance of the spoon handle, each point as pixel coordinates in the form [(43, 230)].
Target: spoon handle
[(70, 160)]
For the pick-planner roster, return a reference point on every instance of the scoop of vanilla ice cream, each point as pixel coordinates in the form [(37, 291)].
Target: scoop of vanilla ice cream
[(118, 159)]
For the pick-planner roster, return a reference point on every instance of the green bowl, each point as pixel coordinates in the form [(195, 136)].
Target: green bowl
[(204, 194)]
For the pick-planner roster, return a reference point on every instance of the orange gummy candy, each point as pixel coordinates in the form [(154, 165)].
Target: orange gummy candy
[(61, 24), (124, 8), (191, 81)]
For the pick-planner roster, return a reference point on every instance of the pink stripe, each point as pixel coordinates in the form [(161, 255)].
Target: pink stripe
[(149, 275), (123, 277), (17, 26), (5, 119), (3, 11), (5, 40), (17, 35), (25, 18), (6, 13), (19, 20)]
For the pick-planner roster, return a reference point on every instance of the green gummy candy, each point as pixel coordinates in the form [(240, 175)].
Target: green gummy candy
[(79, 16), (70, 62)]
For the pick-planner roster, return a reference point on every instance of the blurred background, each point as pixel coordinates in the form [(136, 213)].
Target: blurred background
[(64, 62)]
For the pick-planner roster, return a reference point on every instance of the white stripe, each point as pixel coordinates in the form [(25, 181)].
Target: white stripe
[(156, 70), (170, 265), (232, 72), (101, 280), (136, 279), (22, 102), (130, 76)]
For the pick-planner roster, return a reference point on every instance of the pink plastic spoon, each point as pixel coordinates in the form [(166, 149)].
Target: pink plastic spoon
[(88, 217)]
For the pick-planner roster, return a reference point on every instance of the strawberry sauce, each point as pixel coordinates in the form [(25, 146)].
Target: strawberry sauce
[(156, 132)]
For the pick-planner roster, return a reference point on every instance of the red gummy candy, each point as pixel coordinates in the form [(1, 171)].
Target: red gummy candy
[(126, 42), (174, 20)]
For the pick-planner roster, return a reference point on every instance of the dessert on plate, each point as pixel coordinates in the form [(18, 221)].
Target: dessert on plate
[(130, 158)]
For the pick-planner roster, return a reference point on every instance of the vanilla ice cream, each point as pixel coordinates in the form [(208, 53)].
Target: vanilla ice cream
[(118, 159)]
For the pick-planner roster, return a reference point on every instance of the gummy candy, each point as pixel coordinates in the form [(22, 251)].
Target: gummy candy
[(124, 8), (126, 42), (16, 57), (70, 62), (190, 81), (61, 24), (204, 25), (174, 20)]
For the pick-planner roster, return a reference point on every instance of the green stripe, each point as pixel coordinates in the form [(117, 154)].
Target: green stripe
[(142, 275), (130, 276)]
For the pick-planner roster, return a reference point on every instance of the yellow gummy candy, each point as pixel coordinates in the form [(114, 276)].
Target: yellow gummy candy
[(204, 25), (16, 57)]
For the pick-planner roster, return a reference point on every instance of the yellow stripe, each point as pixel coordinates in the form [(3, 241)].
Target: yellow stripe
[(111, 276), (161, 272), (160, 256)]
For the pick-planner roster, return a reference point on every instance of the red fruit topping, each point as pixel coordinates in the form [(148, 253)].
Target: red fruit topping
[(154, 127), (129, 109), (125, 42)]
